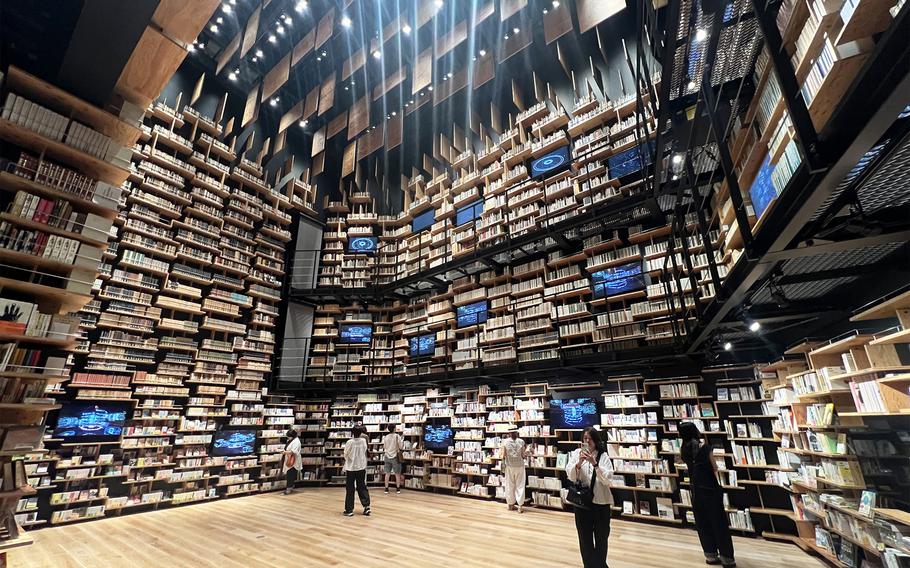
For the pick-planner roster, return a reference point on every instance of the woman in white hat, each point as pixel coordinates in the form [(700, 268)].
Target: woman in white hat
[(514, 453)]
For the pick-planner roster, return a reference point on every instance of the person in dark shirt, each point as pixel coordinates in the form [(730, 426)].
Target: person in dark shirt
[(707, 497)]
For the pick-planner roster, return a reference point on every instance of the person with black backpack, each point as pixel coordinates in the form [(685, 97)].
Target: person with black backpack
[(590, 471)]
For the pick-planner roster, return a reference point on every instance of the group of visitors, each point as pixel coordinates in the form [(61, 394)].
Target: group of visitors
[(589, 471)]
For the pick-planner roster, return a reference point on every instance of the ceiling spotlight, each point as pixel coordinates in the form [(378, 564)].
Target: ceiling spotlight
[(232, 76), (691, 86), (430, 88), (677, 159), (272, 38), (556, 3), (259, 53), (515, 30), (201, 45), (450, 75), (219, 20), (406, 29), (255, 59), (439, 3), (545, 11), (346, 21), (394, 113), (303, 123), (483, 52), (377, 54), (213, 28), (280, 29), (444, 78), (754, 326), (319, 59), (191, 48), (347, 88), (232, 2), (301, 6), (701, 34), (273, 102), (324, 53), (288, 21), (226, 8), (727, 346), (505, 36)]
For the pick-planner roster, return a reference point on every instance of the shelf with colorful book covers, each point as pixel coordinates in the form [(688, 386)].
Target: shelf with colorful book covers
[(311, 419), (847, 458), (378, 410), (644, 484)]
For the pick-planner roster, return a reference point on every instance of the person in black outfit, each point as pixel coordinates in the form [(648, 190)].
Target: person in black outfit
[(707, 497)]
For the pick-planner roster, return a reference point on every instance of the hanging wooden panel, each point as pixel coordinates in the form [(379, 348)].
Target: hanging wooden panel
[(592, 12), (291, 116), (508, 8), (394, 127), (449, 41), (312, 103), (303, 47), (348, 159), (251, 108), (324, 29), (318, 142), (337, 124), (276, 77), (327, 94), (423, 71), (390, 82), (250, 31), (359, 117), (557, 22), (353, 63)]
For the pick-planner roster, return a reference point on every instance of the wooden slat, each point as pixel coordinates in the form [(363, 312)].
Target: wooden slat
[(303, 47), (312, 103), (276, 77), (359, 116), (592, 12), (349, 159), (423, 71), (327, 94), (184, 20), (337, 124), (251, 107), (249, 31), (151, 65), (557, 22), (324, 29)]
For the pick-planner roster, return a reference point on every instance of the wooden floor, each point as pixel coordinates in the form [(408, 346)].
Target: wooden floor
[(413, 529)]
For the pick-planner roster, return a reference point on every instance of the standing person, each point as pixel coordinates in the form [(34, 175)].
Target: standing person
[(514, 454), (592, 524), (355, 469), (391, 445), (707, 497), (291, 465)]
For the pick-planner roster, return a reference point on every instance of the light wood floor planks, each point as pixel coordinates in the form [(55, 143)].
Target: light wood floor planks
[(414, 529)]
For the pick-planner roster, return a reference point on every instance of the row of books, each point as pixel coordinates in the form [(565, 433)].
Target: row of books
[(38, 243), (58, 213)]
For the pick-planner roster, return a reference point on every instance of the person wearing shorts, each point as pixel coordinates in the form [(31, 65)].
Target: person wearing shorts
[(391, 444)]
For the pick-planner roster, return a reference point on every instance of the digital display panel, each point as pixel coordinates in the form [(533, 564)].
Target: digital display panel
[(422, 345), (574, 413), (471, 314), (355, 333), (438, 437), (618, 280), (233, 442), (468, 213), (629, 161), (422, 221), (551, 163), (95, 422), (366, 245)]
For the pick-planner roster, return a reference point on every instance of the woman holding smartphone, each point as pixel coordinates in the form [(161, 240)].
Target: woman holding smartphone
[(592, 524)]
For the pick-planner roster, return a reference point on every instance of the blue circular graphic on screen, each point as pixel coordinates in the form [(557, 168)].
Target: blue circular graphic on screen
[(548, 162), (362, 244)]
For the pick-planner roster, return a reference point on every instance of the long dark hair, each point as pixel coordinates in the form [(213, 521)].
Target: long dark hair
[(358, 431), (691, 439), (595, 435)]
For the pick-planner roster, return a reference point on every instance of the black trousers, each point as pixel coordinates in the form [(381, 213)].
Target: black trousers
[(711, 522), (291, 476), (593, 526), (358, 479)]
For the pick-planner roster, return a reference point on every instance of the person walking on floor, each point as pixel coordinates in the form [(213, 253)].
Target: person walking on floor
[(392, 445), (355, 469), (514, 454), (291, 465), (590, 461), (707, 497)]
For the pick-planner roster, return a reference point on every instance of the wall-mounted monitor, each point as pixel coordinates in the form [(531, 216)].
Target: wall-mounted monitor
[(422, 345), (233, 442), (468, 213), (92, 422), (423, 220), (630, 161), (551, 163), (574, 413), (762, 191), (471, 314), (438, 436), (618, 280), (355, 333), (363, 245)]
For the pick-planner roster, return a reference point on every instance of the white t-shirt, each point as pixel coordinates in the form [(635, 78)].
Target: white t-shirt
[(513, 452), (391, 442), (294, 448), (602, 494), (355, 454)]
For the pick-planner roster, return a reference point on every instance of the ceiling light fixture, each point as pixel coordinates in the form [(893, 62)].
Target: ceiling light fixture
[(556, 3), (301, 6), (727, 346), (505, 36), (213, 28), (191, 48), (259, 53), (219, 20), (545, 11), (450, 75), (346, 22), (754, 326), (201, 45), (483, 52), (439, 3), (691, 86), (226, 8), (255, 59), (406, 29), (394, 113), (272, 38), (377, 54), (280, 29), (677, 159), (232, 76), (701, 34), (515, 30), (303, 123), (430, 88)]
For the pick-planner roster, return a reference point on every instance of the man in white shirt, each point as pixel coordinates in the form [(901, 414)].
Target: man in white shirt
[(514, 453), (355, 470), (392, 446)]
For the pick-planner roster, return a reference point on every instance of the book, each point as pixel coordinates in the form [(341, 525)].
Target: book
[(644, 508), (867, 503), (628, 508), (665, 508)]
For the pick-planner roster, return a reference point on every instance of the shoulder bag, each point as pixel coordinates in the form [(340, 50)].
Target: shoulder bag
[(581, 495)]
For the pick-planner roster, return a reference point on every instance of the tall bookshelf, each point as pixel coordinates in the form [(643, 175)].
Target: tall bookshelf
[(842, 407), (416, 461), (311, 418), (344, 414), (65, 159)]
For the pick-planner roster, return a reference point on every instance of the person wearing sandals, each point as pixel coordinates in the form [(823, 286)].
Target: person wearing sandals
[(291, 465), (707, 497), (592, 523), (355, 470), (514, 454)]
